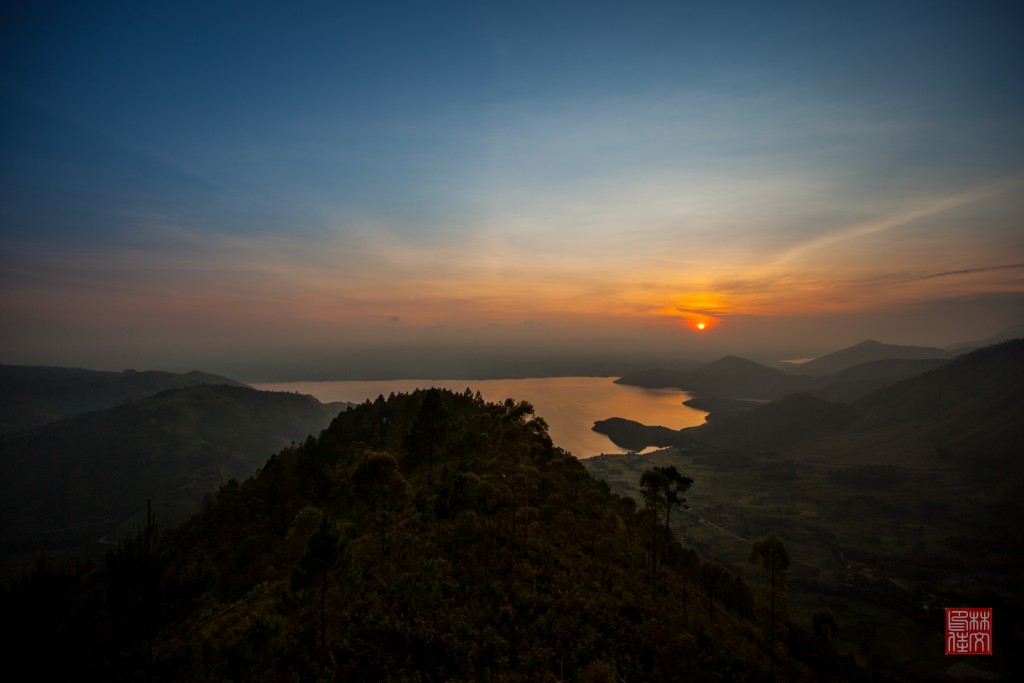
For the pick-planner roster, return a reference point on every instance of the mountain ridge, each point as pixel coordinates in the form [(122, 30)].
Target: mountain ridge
[(852, 373), (72, 481), (35, 395), (863, 352)]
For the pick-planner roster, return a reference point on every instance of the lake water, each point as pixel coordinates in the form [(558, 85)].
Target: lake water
[(570, 405)]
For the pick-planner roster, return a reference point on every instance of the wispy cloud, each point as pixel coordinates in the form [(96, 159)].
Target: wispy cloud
[(969, 271), (904, 216)]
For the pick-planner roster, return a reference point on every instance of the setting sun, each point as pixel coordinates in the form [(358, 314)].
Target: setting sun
[(700, 326)]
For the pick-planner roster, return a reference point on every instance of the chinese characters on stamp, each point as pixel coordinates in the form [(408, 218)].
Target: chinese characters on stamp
[(968, 630)]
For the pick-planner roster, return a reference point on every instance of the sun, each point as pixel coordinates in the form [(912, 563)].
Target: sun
[(699, 321)]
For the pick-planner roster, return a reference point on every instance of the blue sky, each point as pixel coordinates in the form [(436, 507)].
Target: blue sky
[(187, 180)]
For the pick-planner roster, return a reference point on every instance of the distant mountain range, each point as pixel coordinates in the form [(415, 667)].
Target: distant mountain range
[(972, 404), (1015, 332), (845, 375), (82, 477), (866, 352), (32, 396), (733, 377)]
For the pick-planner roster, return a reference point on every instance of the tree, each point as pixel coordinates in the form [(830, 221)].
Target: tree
[(137, 589), (427, 431), (518, 423), (322, 551), (770, 552), (711, 577), (823, 624), (378, 482), (662, 489)]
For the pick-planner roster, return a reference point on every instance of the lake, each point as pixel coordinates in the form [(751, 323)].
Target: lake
[(570, 405)]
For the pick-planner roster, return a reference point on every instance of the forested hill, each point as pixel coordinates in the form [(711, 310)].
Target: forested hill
[(425, 537)]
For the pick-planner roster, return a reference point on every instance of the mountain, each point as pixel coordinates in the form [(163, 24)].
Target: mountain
[(655, 378), (429, 536), (88, 476), (1010, 333), (733, 377), (777, 423), (858, 381), (842, 376), (720, 407), (635, 435), (972, 407), (32, 396), (899, 504), (728, 377), (974, 402), (864, 352)]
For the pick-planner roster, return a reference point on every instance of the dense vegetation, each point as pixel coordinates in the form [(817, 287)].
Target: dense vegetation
[(425, 537)]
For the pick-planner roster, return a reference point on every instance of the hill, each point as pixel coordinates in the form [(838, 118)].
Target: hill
[(733, 377), (865, 352), (1007, 334), (636, 436), (430, 536), (32, 396), (740, 381), (78, 480), (972, 406), (728, 377), (655, 378), (858, 381), (899, 504), (720, 407), (775, 424), (973, 403)]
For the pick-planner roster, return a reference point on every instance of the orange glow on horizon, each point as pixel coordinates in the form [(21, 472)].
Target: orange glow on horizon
[(700, 311)]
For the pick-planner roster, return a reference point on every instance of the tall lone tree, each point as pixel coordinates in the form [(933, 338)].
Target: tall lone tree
[(770, 552), (662, 489)]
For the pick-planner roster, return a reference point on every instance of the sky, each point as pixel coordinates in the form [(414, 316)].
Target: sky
[(294, 186)]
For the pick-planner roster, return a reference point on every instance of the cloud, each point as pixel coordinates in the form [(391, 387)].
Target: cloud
[(968, 271), (899, 218)]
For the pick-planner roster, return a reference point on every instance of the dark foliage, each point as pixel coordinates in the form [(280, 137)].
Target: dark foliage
[(340, 561)]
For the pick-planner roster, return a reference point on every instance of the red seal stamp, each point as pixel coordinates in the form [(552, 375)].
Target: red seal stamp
[(968, 630)]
